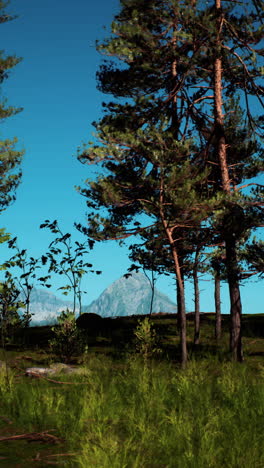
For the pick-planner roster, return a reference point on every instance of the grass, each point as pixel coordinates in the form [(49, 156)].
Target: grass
[(122, 412), (131, 415)]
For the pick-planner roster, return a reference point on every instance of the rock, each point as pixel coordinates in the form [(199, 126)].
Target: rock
[(38, 371), (61, 368), (56, 368)]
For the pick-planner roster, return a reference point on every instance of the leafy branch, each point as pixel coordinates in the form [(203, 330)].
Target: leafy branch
[(65, 258)]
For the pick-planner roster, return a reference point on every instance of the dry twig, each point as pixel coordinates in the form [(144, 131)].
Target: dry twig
[(44, 436)]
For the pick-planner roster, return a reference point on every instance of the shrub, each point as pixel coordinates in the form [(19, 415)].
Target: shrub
[(90, 321), (146, 339), (67, 341)]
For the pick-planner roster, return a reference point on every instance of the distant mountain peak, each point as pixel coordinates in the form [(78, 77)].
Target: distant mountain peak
[(45, 306), (130, 295)]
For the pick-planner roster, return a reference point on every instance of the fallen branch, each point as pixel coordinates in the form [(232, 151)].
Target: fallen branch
[(34, 436), (60, 455)]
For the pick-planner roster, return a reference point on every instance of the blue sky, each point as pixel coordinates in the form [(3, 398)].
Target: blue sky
[(56, 85)]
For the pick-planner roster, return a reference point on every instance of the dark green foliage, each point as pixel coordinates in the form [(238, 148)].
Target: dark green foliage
[(9, 307), (67, 341), (10, 158), (25, 281), (253, 255)]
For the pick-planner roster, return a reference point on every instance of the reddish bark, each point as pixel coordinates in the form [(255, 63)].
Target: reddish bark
[(231, 261)]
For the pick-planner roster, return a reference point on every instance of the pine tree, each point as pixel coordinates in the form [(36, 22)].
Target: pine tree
[(163, 142), (150, 164), (237, 214), (231, 33), (10, 158)]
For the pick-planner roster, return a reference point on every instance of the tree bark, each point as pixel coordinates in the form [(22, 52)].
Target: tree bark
[(178, 296), (181, 303), (235, 301), (179, 313), (196, 307), (219, 125), (217, 297), (231, 261), (152, 285)]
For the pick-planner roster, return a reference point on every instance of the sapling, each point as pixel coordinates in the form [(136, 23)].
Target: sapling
[(146, 339), (9, 317), (9, 306), (25, 281), (67, 339), (67, 260)]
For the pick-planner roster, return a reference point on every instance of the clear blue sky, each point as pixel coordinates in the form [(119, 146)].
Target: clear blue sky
[(56, 85)]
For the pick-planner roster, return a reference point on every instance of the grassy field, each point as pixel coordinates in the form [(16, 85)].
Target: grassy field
[(120, 411)]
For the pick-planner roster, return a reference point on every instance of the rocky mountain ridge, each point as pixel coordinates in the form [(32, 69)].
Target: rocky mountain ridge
[(126, 296), (130, 296)]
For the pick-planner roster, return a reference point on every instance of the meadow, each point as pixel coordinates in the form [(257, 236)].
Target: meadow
[(123, 411)]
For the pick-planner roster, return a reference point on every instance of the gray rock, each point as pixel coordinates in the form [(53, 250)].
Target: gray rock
[(56, 368), (61, 368), (38, 371)]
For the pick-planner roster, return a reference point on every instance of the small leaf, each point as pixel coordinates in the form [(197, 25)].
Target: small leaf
[(44, 259)]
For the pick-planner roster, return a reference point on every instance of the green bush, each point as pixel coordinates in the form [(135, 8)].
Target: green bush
[(68, 340), (146, 339)]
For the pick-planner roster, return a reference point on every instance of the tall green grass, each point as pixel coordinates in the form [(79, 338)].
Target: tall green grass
[(132, 415)]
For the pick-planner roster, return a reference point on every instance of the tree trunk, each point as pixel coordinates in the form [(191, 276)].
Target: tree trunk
[(181, 304), (235, 301), (152, 286), (151, 302), (79, 295), (231, 260), (183, 338), (196, 307), (178, 302), (179, 311), (181, 322), (219, 126), (217, 296)]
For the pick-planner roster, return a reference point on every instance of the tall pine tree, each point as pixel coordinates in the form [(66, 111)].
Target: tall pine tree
[(232, 65), (150, 164), (163, 142)]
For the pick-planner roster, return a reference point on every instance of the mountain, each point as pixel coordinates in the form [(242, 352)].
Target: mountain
[(45, 307), (126, 296), (130, 296)]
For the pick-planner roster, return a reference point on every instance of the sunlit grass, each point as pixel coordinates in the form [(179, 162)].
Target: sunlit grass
[(130, 415)]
